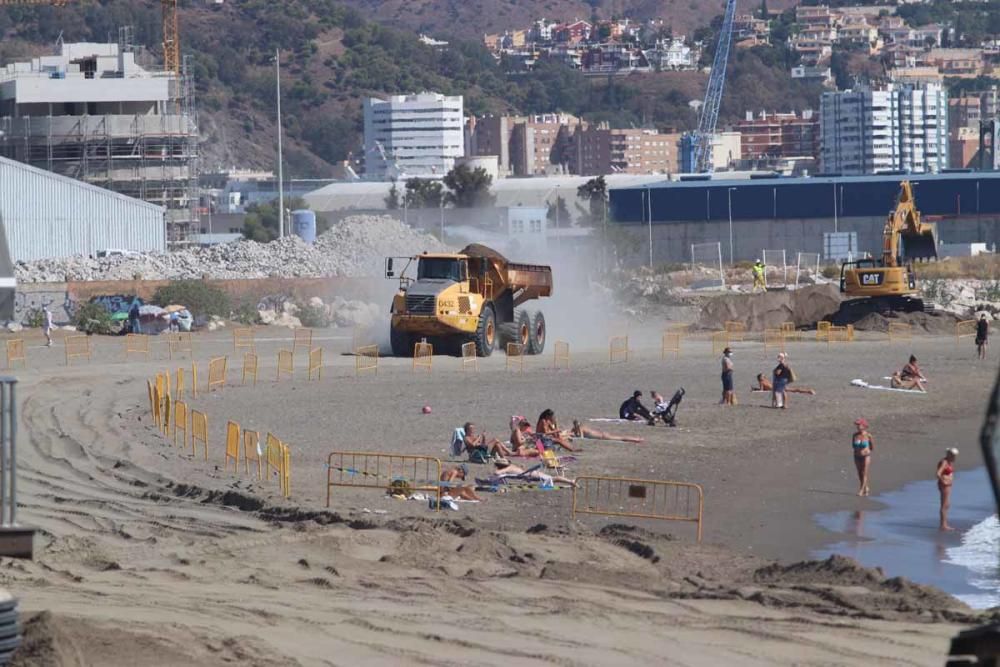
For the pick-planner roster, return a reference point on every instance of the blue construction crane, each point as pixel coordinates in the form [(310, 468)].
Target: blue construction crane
[(701, 147)]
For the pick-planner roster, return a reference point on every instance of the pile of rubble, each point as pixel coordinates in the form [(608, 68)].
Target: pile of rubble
[(963, 297), (339, 313), (355, 247)]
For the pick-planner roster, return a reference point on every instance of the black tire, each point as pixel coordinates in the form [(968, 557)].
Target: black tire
[(518, 331), (486, 333), (538, 333), (401, 342)]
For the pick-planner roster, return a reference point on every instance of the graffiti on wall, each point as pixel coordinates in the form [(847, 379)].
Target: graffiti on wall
[(116, 303), (57, 299)]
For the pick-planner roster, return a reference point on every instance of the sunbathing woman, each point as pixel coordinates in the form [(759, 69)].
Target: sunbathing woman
[(580, 431), (522, 440), (507, 469), (454, 475), (911, 376), (763, 384), (548, 430)]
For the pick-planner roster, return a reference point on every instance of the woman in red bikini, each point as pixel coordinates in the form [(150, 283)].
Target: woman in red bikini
[(945, 477)]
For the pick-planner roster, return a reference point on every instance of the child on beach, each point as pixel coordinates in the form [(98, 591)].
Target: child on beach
[(863, 445)]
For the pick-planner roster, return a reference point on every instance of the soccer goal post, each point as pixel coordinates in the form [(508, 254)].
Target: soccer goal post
[(807, 268), (706, 264)]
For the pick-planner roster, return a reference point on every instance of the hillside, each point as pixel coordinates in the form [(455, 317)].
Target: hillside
[(333, 56)]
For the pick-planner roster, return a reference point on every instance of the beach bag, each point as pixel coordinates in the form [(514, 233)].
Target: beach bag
[(791, 375)]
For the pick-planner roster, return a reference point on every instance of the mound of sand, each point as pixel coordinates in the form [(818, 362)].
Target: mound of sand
[(936, 323), (757, 312)]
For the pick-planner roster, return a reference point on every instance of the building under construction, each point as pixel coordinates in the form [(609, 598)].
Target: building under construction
[(93, 114)]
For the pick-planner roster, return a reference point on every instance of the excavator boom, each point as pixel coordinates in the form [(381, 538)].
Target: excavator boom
[(919, 239)]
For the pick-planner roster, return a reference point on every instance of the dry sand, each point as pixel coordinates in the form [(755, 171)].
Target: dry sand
[(145, 557)]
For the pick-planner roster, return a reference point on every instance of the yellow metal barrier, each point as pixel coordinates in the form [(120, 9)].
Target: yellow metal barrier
[(838, 335), (383, 472), (243, 338), (963, 329), (423, 356), (178, 343), (774, 339), (167, 414), (276, 457), (823, 331), (720, 341), (315, 363), (194, 379), (217, 372), (560, 355), (670, 344), (286, 470), (166, 383), (680, 329), (154, 413), (789, 332), (618, 350), (366, 359), (199, 432), (515, 357), (77, 347), (250, 367), (136, 344), (15, 352), (736, 330), (232, 446), (180, 388), (639, 498), (900, 331), (302, 339), (251, 452), (181, 422), (157, 409), (850, 332), (286, 364), (161, 385)]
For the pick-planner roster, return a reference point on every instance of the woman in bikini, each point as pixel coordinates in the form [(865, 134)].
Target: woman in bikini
[(522, 440), (548, 430), (580, 431), (863, 445), (945, 478), (508, 469), (763, 384)]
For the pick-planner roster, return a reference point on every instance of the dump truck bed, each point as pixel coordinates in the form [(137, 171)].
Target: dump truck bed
[(529, 281)]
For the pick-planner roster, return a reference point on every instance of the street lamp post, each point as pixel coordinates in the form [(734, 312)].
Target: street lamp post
[(281, 174), (649, 210), (729, 195)]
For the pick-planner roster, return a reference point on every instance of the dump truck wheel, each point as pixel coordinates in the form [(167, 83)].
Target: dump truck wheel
[(486, 333), (402, 343), (518, 331), (538, 332)]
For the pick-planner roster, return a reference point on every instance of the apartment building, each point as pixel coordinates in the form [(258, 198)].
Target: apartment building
[(779, 135), (524, 145), (413, 135), (897, 128), (600, 150)]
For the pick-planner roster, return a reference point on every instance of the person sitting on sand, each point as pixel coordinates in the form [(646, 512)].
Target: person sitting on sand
[(763, 384), (632, 409), (863, 445), (548, 430), (507, 469), (522, 439), (945, 478), (911, 377), (458, 474), (478, 449), (580, 431)]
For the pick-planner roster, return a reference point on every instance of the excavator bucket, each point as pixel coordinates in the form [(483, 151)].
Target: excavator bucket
[(922, 245)]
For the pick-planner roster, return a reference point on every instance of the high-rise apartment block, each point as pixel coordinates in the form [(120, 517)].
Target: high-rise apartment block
[(600, 150), (413, 135), (524, 145), (779, 135)]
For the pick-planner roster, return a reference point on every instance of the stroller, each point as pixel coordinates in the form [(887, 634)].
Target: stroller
[(669, 413)]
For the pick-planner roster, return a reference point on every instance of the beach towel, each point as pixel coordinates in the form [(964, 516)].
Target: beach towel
[(458, 442), (612, 420), (865, 385)]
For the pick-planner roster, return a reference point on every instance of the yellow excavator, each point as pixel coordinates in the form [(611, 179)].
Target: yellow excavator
[(888, 283)]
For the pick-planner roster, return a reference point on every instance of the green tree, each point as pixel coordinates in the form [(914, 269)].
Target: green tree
[(558, 211), (261, 222), (469, 188), (392, 199), (595, 193), (423, 193)]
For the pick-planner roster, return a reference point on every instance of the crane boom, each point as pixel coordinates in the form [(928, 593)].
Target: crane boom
[(702, 161)]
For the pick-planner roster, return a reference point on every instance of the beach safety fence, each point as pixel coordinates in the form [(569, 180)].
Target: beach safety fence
[(250, 367), (963, 329), (232, 447), (194, 378), (720, 341), (168, 411), (469, 357), (178, 343), (423, 356), (181, 423), (670, 344), (560, 355), (302, 339), (77, 347), (180, 388), (515, 357), (789, 332), (838, 335), (823, 331), (15, 353), (154, 411), (900, 331), (315, 367), (774, 339), (252, 452), (389, 473), (217, 372), (278, 458), (617, 350), (199, 432), (639, 499), (366, 359), (136, 344), (243, 338), (286, 365), (736, 331)]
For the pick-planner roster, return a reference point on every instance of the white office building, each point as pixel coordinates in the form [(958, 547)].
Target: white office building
[(903, 127), (413, 135)]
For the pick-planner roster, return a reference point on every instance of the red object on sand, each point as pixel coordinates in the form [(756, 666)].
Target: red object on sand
[(427, 409)]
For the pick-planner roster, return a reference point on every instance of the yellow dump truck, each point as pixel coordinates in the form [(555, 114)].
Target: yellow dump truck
[(471, 296)]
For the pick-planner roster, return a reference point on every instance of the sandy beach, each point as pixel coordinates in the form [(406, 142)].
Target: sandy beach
[(169, 559)]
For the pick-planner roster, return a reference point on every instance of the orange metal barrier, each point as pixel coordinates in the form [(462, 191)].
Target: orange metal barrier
[(736, 330), (251, 452), (515, 357), (178, 343), (384, 472), (720, 341), (900, 331), (423, 356), (670, 344), (232, 446), (774, 339), (316, 363), (199, 432), (243, 338), (136, 344), (302, 340), (823, 331), (639, 498), (181, 422), (217, 372), (15, 352), (366, 359), (250, 367), (77, 347), (560, 355), (469, 357), (286, 364), (618, 350), (963, 329)]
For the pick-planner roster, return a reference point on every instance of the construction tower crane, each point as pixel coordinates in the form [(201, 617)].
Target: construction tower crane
[(702, 139), (171, 33)]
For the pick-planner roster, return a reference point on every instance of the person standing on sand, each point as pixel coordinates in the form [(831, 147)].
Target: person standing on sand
[(780, 378), (48, 325), (945, 478), (863, 445), (982, 335), (728, 394)]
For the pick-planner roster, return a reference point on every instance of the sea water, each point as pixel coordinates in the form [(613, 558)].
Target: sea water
[(902, 538)]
